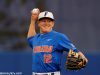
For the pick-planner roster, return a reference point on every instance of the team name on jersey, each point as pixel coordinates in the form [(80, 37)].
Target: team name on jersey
[(46, 48)]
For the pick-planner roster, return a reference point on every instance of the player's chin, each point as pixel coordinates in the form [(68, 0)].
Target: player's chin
[(46, 30)]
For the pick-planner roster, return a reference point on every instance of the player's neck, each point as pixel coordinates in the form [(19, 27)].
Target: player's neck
[(44, 32)]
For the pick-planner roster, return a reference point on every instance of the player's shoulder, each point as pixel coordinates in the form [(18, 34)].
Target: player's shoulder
[(57, 33), (60, 35)]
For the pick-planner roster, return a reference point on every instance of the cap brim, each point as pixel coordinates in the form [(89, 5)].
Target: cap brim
[(46, 18)]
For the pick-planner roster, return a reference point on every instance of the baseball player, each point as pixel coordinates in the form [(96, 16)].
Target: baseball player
[(48, 45)]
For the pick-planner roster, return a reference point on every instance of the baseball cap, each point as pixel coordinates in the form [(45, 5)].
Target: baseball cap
[(46, 14)]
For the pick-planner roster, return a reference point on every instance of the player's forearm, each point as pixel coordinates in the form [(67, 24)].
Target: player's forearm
[(31, 31)]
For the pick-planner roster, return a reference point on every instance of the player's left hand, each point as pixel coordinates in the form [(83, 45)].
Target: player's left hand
[(76, 61)]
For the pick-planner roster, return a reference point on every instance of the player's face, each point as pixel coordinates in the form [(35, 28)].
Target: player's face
[(45, 25)]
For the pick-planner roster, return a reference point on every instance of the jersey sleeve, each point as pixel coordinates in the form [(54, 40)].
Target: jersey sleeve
[(30, 41), (66, 44)]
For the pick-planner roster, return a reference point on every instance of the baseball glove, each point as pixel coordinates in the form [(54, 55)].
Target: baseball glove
[(75, 61)]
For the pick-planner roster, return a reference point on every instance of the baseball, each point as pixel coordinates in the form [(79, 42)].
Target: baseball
[(35, 10)]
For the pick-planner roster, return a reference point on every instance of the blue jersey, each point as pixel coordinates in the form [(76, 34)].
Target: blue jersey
[(47, 51)]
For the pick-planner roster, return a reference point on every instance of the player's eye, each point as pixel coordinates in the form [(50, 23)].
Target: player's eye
[(49, 20), (43, 21)]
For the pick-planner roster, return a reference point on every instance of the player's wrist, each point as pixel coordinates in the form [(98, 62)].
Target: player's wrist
[(32, 22)]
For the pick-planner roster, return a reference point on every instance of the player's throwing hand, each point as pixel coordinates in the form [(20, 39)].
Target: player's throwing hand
[(35, 12)]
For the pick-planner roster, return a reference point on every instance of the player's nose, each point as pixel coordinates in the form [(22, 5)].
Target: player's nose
[(46, 22)]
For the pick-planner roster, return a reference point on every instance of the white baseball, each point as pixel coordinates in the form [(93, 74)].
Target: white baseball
[(35, 10)]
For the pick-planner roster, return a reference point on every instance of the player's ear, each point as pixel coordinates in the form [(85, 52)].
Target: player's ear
[(53, 24)]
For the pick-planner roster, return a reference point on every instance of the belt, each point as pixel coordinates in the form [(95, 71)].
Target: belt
[(49, 73), (45, 74)]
